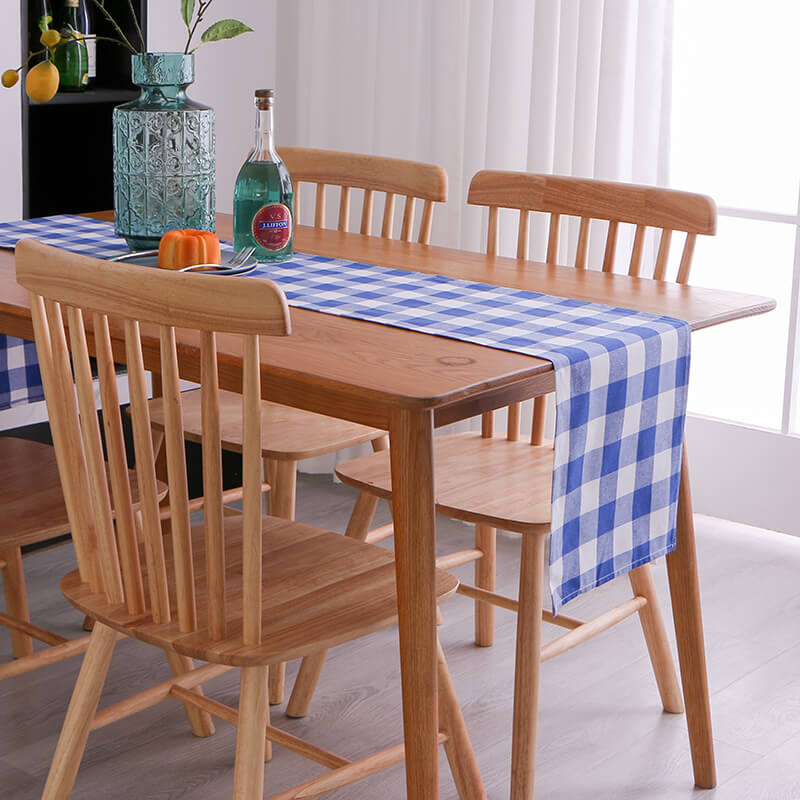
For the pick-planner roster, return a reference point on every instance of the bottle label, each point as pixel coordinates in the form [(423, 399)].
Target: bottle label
[(272, 226), (91, 51)]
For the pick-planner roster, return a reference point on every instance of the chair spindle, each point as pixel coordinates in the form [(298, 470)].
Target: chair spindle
[(180, 524), (686, 258), (212, 487), (67, 469), (146, 477), (76, 476), (635, 268), (660, 271), (426, 223), (388, 215), (492, 235), (552, 239), (512, 426), (583, 243), (537, 421), (366, 212), (611, 246), (319, 206), (118, 469), (408, 219), (344, 209), (523, 233), (251, 483), (93, 453)]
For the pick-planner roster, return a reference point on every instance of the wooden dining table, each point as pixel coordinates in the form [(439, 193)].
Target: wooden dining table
[(411, 383)]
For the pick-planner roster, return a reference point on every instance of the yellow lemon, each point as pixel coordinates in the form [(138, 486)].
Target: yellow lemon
[(41, 83), (9, 78), (50, 38)]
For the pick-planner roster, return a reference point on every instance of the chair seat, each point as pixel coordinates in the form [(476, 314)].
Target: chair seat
[(493, 482), (30, 494), (286, 433), (321, 589)]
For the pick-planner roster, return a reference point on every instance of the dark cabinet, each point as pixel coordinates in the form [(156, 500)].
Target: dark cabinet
[(66, 143)]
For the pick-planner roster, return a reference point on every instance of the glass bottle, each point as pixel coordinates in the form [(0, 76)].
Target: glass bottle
[(71, 56), (263, 200), (41, 18), (86, 27)]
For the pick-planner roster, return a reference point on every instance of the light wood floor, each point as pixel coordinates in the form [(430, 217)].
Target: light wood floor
[(602, 733)]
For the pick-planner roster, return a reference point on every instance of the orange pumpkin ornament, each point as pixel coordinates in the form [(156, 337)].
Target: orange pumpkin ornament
[(185, 248)]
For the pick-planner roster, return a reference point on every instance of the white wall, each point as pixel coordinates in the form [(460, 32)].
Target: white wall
[(745, 474), (227, 74), (10, 119)]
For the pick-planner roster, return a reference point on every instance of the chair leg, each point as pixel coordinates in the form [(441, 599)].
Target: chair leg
[(655, 634), (458, 747), (687, 617), (16, 599), (270, 466), (485, 572), (305, 683), (282, 504), (81, 711), (248, 776), (200, 721), (526, 671)]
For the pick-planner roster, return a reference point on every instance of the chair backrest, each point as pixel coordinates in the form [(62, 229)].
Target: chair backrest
[(394, 177), (618, 204), (136, 310)]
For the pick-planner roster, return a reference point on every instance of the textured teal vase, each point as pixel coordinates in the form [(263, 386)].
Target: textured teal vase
[(164, 157)]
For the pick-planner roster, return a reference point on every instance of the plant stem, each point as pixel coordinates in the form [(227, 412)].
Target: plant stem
[(138, 26), (97, 39), (201, 10), (123, 38)]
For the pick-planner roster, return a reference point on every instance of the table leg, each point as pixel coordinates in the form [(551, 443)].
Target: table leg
[(411, 436), (685, 593)]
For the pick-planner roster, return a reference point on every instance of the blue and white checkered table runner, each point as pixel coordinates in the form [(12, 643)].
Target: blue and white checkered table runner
[(621, 388)]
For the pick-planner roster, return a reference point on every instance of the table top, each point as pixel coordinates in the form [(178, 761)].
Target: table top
[(368, 368)]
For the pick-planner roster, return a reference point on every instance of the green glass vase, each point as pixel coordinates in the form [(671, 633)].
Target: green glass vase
[(164, 154)]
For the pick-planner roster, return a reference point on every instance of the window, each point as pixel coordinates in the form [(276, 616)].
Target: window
[(736, 136)]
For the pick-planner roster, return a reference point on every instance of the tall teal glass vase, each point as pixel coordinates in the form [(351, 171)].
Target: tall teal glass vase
[(164, 154)]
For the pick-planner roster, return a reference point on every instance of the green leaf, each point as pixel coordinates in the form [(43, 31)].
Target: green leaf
[(224, 29), (187, 11), (44, 22)]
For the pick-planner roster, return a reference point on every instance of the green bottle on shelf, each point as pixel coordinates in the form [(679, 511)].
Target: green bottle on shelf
[(71, 57), (41, 19), (263, 200)]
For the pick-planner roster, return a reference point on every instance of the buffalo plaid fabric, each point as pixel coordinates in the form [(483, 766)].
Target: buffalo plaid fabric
[(20, 381), (621, 386), (90, 237)]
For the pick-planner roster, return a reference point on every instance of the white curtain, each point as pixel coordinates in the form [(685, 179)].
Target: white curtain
[(574, 87)]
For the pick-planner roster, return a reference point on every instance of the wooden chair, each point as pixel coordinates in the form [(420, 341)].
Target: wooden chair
[(496, 480), (289, 435), (33, 511), (237, 592)]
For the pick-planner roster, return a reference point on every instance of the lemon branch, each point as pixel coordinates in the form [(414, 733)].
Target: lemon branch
[(138, 26), (123, 39), (201, 10)]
